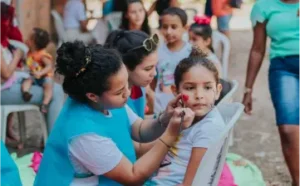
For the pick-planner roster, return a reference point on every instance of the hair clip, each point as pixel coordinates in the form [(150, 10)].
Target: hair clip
[(202, 20), (88, 59)]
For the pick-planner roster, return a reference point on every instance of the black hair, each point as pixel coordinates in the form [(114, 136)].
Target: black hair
[(162, 5), (204, 31), (126, 40), (86, 68), (197, 57), (6, 11), (125, 22), (40, 38), (175, 11)]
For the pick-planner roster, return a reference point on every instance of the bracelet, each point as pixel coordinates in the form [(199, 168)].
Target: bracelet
[(247, 90), (164, 143)]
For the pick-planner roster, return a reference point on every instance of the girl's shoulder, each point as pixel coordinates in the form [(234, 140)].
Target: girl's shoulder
[(212, 121)]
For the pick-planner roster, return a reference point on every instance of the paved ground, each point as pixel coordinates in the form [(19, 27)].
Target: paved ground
[(256, 136)]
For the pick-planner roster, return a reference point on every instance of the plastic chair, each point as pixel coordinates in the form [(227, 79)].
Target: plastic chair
[(228, 96), (219, 39), (7, 109), (114, 20), (228, 99), (211, 166), (59, 26)]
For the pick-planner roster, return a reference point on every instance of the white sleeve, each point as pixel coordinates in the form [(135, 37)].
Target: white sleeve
[(132, 116), (206, 133), (95, 153)]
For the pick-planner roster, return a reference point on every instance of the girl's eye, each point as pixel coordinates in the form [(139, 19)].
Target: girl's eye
[(149, 68), (189, 88), (208, 88)]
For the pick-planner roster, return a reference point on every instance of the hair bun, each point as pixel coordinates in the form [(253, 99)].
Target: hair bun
[(197, 52), (70, 58), (202, 20)]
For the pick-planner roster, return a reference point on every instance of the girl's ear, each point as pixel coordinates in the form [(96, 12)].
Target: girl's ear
[(174, 90), (219, 89)]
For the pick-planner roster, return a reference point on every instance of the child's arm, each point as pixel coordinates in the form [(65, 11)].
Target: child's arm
[(47, 67), (152, 8), (196, 157)]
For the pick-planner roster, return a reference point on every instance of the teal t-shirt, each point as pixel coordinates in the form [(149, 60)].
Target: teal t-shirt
[(282, 25)]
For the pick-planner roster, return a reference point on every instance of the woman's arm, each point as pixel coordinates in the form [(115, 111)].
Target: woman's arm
[(127, 173), (255, 60), (147, 130), (142, 148), (195, 160), (257, 53), (152, 8), (8, 69)]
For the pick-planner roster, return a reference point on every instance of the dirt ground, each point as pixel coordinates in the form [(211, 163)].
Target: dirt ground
[(255, 137)]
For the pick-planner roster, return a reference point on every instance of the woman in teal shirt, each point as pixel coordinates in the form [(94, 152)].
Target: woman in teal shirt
[(92, 140), (9, 171), (278, 20)]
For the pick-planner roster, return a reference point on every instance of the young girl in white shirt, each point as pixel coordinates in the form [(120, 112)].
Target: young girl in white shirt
[(198, 78)]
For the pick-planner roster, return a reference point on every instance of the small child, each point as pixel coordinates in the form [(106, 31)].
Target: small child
[(174, 49), (40, 65), (200, 34), (197, 78), (174, 22)]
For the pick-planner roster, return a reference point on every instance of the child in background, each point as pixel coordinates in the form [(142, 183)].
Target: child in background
[(134, 17), (40, 65), (197, 78), (174, 22), (200, 34), (170, 52)]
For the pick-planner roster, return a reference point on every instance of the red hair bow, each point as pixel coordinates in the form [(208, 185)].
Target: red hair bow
[(202, 20)]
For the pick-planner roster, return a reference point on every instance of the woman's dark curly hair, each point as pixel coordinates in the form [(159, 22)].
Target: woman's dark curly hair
[(125, 22), (197, 57), (82, 77), (124, 41)]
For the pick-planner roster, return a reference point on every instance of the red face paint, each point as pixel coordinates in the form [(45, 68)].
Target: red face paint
[(184, 98)]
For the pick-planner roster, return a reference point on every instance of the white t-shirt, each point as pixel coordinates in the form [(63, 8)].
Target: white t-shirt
[(96, 155), (201, 134), (74, 12)]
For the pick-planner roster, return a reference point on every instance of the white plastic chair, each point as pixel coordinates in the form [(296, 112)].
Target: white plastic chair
[(220, 41), (212, 164), (228, 98), (114, 20), (7, 109), (59, 26)]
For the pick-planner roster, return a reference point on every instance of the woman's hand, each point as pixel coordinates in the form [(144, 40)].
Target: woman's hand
[(168, 113), (175, 122), (247, 101)]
